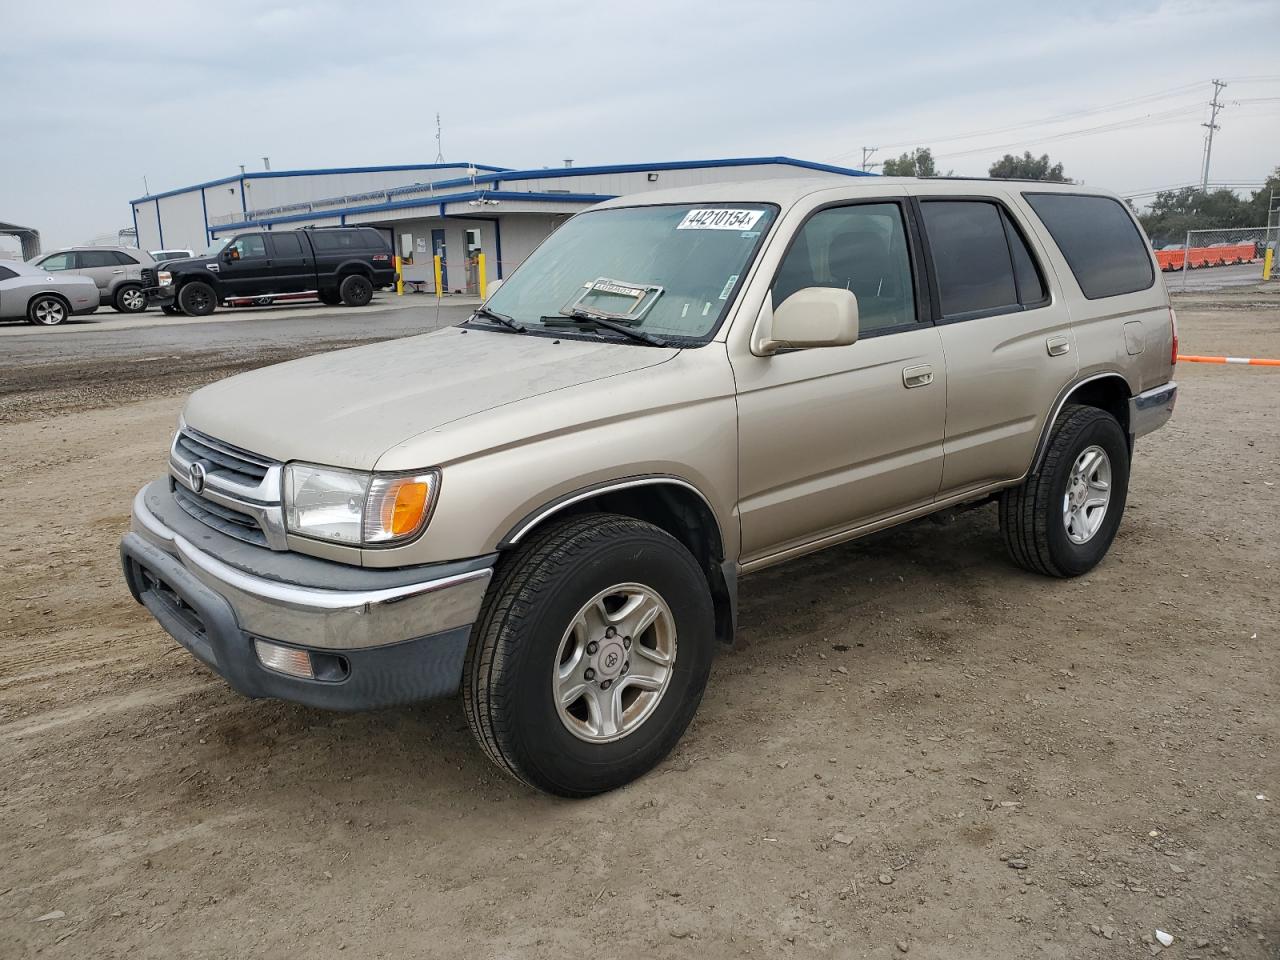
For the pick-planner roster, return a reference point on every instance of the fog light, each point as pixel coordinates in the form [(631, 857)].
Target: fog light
[(296, 663)]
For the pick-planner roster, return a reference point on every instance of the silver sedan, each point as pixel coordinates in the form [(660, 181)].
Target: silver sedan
[(43, 298)]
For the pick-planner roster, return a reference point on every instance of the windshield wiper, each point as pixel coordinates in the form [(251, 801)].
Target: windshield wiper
[(579, 318), (502, 318)]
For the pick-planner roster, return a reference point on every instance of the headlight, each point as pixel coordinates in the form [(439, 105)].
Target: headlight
[(164, 278), (357, 508)]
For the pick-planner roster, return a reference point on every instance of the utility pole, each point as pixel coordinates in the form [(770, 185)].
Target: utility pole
[(1212, 125), (266, 163), (867, 154)]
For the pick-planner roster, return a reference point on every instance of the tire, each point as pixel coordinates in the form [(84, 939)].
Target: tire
[(46, 310), (1038, 533), (170, 311), (355, 290), (197, 299), (521, 648), (330, 297), (129, 298)]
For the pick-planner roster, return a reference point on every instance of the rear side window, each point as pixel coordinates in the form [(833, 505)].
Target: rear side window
[(1099, 241), (123, 259), (90, 259), (348, 240), (970, 257), (287, 245), (6, 273)]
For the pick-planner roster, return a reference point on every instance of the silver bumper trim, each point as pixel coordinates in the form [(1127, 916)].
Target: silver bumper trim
[(1151, 409), (314, 616)]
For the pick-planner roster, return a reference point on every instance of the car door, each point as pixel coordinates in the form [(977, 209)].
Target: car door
[(101, 267), (1008, 339), (244, 269), (292, 267), (835, 438)]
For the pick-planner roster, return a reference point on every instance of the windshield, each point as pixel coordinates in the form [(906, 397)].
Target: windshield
[(215, 248), (669, 270)]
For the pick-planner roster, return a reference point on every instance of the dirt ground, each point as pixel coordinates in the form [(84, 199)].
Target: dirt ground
[(920, 748)]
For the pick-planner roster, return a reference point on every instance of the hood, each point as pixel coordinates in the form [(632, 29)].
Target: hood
[(348, 407)]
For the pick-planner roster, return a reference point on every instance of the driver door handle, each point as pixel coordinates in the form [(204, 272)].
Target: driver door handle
[(917, 376)]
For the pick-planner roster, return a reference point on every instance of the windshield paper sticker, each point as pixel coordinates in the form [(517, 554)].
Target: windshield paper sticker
[(719, 218), (724, 294)]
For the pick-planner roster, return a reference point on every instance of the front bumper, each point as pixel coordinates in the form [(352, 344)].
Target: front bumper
[(374, 638), (1151, 409), (160, 296)]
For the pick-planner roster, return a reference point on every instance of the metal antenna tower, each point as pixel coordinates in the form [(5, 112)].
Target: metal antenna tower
[(439, 142)]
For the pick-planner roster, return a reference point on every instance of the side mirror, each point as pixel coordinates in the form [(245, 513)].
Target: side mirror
[(812, 317), (492, 287)]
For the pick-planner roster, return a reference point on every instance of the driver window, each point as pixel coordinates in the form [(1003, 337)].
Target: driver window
[(861, 248), (250, 246)]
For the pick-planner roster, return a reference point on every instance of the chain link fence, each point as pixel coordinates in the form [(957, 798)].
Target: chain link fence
[(1242, 248)]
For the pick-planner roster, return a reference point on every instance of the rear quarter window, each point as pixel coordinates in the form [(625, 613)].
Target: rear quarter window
[(1099, 241)]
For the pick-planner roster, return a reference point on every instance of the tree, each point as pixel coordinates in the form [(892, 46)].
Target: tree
[(918, 163), (1173, 212), (1027, 167), (1258, 204)]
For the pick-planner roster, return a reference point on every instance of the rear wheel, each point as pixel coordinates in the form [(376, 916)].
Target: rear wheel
[(590, 656), (1062, 520), (47, 310), (197, 299), (130, 299), (356, 291)]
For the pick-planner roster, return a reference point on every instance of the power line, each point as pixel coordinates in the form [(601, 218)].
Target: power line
[(1167, 116), (1043, 121)]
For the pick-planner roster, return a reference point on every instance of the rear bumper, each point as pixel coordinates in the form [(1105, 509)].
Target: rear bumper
[(383, 640), (1151, 409)]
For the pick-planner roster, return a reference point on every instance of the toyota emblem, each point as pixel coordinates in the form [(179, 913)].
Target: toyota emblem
[(611, 660), (196, 473)]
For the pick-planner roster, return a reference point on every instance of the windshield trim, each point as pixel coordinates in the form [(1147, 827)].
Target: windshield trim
[(748, 266)]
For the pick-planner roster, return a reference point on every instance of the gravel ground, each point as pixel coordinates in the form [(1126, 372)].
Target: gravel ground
[(919, 748)]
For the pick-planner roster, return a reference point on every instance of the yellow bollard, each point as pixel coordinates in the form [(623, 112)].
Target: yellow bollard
[(436, 264), (1266, 264), (399, 277), (480, 273)]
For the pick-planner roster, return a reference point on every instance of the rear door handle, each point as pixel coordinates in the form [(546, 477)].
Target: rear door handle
[(1058, 346), (917, 376)]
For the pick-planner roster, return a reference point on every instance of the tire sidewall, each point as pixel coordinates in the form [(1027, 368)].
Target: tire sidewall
[(533, 643), (356, 291), (1077, 558), (31, 310), (188, 290), (119, 303)]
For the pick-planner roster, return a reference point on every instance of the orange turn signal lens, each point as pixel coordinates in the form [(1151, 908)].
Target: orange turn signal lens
[(398, 507)]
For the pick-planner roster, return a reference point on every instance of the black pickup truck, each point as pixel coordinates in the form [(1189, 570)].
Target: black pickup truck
[(336, 264)]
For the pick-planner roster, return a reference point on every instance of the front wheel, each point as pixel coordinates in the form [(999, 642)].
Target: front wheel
[(197, 299), (1062, 520), (590, 655), (356, 291)]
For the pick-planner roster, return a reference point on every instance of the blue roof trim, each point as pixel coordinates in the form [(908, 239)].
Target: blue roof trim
[(319, 171), (441, 202)]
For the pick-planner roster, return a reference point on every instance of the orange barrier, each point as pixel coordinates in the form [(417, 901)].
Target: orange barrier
[(1250, 361), (1197, 257)]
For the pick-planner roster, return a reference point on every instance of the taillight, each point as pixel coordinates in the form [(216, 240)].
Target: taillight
[(1173, 326)]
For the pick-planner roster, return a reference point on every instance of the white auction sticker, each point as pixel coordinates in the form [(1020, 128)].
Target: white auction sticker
[(719, 218)]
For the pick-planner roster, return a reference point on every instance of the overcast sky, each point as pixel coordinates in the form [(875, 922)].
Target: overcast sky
[(98, 95)]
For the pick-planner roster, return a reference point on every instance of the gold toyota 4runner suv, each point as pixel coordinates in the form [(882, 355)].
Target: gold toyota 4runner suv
[(551, 504)]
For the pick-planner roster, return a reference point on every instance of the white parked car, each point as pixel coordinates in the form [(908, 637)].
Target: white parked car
[(159, 256), (44, 298)]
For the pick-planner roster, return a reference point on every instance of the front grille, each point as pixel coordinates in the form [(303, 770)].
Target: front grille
[(149, 277), (234, 465), (219, 517)]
